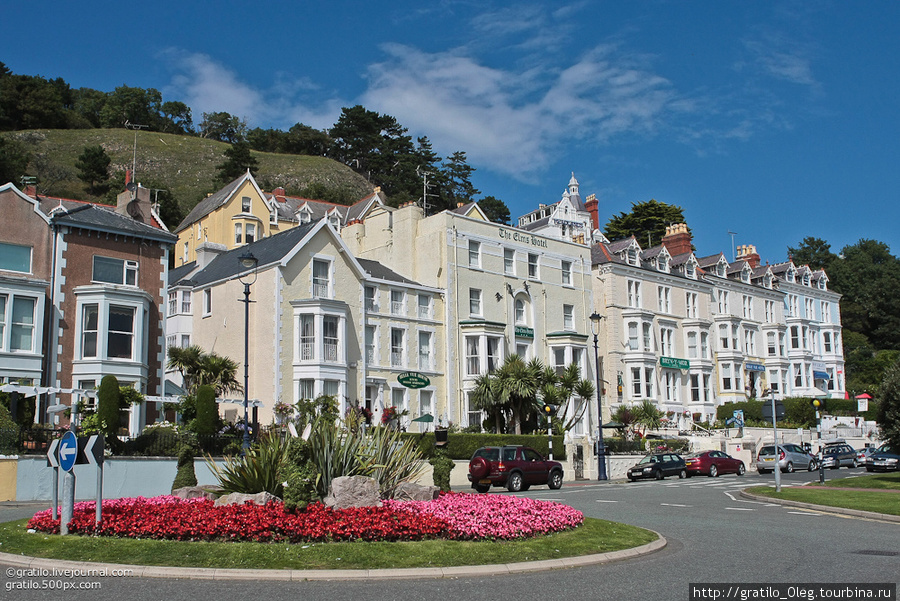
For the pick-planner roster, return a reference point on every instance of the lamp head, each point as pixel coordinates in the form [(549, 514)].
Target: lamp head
[(595, 322)]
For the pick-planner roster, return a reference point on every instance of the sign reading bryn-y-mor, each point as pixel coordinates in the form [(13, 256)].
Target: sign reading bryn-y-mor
[(673, 363), (412, 379), (524, 332)]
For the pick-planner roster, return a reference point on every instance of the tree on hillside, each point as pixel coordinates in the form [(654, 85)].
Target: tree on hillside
[(93, 169), (303, 139), (814, 252), (889, 407), (223, 127), (458, 174), (176, 118), (237, 161), (137, 106), (28, 102), (13, 161), (646, 221), (87, 106), (495, 209)]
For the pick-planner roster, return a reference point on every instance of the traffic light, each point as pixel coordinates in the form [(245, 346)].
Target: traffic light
[(549, 409), (817, 404)]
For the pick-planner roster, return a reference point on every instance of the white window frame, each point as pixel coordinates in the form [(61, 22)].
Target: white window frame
[(509, 261), (566, 275), (129, 271)]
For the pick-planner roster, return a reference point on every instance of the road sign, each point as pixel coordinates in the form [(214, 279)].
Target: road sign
[(68, 451), (52, 459), (93, 450)]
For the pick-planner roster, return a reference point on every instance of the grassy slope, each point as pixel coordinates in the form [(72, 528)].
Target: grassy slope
[(186, 165)]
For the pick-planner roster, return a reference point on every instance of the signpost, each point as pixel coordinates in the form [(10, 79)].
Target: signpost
[(53, 461), (93, 453), (67, 455)]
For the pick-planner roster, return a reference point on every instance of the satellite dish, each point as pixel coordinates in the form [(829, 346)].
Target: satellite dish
[(134, 210), (130, 186)]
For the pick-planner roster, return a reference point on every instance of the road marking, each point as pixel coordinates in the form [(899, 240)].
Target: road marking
[(605, 501), (740, 509), (729, 495), (804, 513), (675, 505)]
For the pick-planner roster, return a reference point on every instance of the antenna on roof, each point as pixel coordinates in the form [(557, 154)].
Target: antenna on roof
[(733, 234), (424, 175), (136, 128)]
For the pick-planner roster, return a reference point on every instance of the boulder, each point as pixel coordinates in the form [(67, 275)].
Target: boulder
[(197, 492), (239, 498), (352, 491), (409, 491)]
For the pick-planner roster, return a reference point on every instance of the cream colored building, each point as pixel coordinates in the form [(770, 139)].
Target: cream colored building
[(508, 292), (316, 322)]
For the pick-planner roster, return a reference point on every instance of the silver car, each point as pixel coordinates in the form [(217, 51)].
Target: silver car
[(790, 457)]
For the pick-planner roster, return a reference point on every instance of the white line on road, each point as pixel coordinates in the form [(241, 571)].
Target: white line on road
[(675, 505), (804, 513), (605, 501), (740, 509), (729, 495)]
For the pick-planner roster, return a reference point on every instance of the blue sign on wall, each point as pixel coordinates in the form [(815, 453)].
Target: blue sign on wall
[(68, 451)]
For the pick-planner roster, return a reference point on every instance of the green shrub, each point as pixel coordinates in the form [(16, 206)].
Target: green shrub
[(461, 446), (108, 406), (299, 476), (9, 432), (441, 465), (207, 421), (185, 476), (387, 457)]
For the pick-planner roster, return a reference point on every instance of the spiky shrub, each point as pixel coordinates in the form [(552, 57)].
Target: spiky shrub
[(390, 459), (299, 476), (333, 452), (256, 471)]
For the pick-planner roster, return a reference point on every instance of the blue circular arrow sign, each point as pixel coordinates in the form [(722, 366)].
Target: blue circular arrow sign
[(68, 451)]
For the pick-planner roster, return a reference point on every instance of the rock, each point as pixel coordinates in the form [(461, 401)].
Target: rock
[(197, 492), (409, 491), (353, 491), (239, 498)]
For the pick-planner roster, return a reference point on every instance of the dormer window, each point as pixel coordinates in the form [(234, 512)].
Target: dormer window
[(806, 279), (789, 276), (720, 270), (305, 216), (690, 270), (767, 281), (822, 284), (745, 276), (632, 256), (662, 263)]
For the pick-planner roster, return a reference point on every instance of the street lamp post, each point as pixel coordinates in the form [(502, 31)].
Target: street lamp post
[(601, 449), (249, 263)]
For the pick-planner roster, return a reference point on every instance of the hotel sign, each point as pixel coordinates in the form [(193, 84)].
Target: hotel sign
[(672, 363), (524, 332), (522, 237)]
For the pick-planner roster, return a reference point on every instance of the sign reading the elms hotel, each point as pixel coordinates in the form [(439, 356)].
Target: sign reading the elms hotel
[(522, 237)]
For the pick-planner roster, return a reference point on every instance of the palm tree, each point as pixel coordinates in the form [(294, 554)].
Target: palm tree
[(519, 383), (198, 367), (647, 415), (488, 397)]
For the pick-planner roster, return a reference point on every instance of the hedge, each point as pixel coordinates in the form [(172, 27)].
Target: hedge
[(462, 446)]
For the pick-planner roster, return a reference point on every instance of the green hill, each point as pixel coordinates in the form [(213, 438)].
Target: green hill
[(184, 165)]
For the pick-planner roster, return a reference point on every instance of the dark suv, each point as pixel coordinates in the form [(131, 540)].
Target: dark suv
[(838, 454), (514, 467)]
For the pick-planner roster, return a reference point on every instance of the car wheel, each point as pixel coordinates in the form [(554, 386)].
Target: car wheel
[(789, 468), (854, 464), (813, 465), (479, 468), (868, 469), (482, 488), (682, 474), (630, 479), (713, 471), (555, 480), (514, 484), (659, 475), (741, 470)]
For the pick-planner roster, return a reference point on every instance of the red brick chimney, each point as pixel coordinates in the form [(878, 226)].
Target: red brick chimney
[(592, 204), (747, 252), (279, 192), (677, 239)]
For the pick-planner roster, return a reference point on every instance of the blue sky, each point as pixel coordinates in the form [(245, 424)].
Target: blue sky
[(773, 120)]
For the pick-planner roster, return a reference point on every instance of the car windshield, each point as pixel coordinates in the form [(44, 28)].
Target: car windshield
[(489, 454), (648, 459), (767, 451)]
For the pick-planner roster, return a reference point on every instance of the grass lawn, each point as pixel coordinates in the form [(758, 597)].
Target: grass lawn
[(877, 497), (595, 536)]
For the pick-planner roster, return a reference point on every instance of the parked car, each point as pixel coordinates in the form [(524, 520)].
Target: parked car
[(790, 457), (863, 455), (885, 459), (658, 465), (515, 467), (838, 454), (713, 463)]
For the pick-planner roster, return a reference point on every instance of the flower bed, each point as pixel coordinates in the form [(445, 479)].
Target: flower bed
[(458, 516)]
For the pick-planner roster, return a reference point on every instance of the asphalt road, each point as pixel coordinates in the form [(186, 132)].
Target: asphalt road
[(714, 536)]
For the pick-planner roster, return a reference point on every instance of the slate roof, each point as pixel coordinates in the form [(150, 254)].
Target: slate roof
[(93, 217), (535, 224), (210, 203), (182, 271), (268, 250), (380, 272)]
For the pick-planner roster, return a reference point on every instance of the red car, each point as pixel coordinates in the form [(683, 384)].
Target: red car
[(713, 463)]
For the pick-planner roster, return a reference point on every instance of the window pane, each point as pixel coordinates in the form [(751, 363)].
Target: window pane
[(15, 258), (108, 270), (121, 332), (22, 330), (89, 331)]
